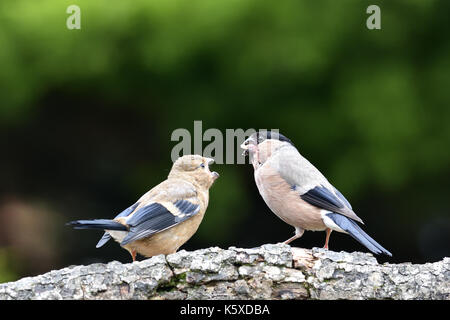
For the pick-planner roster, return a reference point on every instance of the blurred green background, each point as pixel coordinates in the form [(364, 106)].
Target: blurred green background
[(86, 117)]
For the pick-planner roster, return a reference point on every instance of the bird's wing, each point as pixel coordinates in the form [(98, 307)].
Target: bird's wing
[(174, 203), (157, 217), (342, 198), (323, 198), (309, 182), (128, 211)]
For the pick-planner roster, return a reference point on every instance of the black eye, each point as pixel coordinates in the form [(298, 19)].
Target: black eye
[(202, 165)]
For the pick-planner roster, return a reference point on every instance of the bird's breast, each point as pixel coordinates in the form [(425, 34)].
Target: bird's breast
[(285, 202)]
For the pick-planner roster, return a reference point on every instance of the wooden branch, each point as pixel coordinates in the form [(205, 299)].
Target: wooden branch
[(267, 272)]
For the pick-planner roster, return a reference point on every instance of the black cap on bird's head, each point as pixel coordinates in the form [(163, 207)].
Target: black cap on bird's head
[(262, 135)]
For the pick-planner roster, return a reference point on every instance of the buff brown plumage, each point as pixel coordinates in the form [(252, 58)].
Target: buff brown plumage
[(165, 217)]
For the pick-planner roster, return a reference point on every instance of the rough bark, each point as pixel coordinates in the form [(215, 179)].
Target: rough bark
[(267, 272)]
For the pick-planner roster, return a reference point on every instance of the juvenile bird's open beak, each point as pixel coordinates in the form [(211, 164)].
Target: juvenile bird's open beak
[(215, 175), (210, 161)]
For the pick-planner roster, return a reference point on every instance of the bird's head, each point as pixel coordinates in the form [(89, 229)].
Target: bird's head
[(194, 168), (262, 144)]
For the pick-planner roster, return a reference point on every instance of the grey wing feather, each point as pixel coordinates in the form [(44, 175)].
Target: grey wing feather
[(296, 170), (341, 196), (128, 211)]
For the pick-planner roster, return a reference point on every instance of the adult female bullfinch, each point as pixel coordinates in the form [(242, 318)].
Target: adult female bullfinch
[(165, 217), (298, 193)]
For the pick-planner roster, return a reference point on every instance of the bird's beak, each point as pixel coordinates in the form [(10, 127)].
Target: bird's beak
[(210, 161), (245, 146)]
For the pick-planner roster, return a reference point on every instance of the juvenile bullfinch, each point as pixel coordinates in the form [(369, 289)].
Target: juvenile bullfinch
[(298, 193), (165, 217)]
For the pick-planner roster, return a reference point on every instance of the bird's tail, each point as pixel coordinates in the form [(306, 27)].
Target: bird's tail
[(353, 229), (103, 224)]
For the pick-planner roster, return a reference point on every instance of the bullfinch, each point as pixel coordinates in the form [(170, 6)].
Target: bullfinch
[(165, 217), (298, 193)]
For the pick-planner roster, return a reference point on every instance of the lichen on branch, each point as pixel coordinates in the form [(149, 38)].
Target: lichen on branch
[(272, 271)]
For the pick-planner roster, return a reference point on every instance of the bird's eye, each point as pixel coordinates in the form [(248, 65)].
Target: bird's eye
[(246, 142), (202, 165)]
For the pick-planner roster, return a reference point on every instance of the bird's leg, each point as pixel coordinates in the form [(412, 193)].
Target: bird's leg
[(133, 254), (298, 234), (328, 231), (291, 239)]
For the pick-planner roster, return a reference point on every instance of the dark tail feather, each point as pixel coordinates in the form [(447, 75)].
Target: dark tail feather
[(357, 233), (103, 224)]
